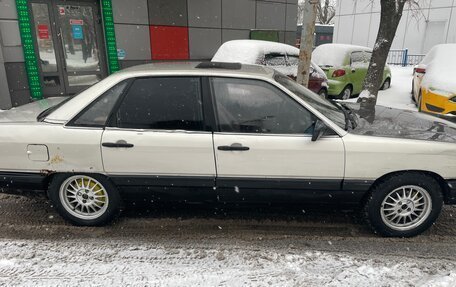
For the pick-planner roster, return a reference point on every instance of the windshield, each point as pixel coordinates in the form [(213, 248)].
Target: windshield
[(324, 106)]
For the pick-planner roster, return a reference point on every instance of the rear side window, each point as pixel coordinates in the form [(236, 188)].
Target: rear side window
[(274, 59), (253, 106), (172, 103), (98, 112), (361, 57)]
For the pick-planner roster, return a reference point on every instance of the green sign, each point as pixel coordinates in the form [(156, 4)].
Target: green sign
[(110, 36), (31, 62), (266, 35)]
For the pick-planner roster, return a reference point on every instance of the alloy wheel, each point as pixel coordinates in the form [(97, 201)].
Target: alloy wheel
[(406, 207), (84, 197)]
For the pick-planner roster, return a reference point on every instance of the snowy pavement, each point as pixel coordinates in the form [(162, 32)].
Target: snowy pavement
[(217, 247)]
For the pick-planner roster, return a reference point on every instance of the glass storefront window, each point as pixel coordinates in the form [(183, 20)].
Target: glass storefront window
[(47, 57), (78, 38)]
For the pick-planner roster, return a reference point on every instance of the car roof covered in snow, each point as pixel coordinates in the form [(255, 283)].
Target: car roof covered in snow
[(334, 54), (77, 103), (250, 51), (440, 62)]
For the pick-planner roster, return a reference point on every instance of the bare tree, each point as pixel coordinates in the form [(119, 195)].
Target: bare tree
[(326, 10), (390, 15)]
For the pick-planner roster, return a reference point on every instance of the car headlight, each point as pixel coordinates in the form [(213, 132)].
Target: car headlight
[(441, 92)]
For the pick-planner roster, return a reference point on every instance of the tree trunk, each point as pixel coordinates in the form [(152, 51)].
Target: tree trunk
[(391, 13), (309, 16)]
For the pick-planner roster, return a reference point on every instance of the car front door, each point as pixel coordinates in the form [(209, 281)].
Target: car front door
[(157, 139), (263, 146)]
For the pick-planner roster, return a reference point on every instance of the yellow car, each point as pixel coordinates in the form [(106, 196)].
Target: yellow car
[(434, 81)]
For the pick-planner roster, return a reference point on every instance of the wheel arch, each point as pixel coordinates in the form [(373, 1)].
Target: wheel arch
[(443, 185)]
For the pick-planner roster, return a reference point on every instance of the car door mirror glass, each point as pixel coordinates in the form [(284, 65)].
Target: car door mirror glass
[(319, 130)]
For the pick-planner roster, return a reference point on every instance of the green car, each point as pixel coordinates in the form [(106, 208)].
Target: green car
[(346, 67)]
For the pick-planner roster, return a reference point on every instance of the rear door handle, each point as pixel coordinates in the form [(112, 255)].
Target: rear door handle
[(233, 147), (118, 144)]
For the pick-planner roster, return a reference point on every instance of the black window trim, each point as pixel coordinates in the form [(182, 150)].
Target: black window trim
[(71, 123), (216, 119), (207, 121)]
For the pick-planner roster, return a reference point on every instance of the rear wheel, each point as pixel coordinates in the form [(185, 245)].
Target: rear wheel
[(82, 199), (420, 99), (404, 205), (346, 93), (323, 93), (386, 84)]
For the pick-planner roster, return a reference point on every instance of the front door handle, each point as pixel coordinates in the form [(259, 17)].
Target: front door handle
[(233, 147), (118, 144)]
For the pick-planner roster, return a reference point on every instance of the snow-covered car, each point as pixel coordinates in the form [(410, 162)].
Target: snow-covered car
[(229, 133), (346, 67), (281, 57), (434, 82)]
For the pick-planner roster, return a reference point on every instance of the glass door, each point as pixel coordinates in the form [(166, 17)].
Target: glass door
[(70, 44)]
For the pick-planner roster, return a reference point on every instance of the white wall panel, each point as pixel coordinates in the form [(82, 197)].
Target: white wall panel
[(361, 34)]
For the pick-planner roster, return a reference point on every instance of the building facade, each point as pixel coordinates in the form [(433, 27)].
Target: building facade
[(433, 22), (59, 47)]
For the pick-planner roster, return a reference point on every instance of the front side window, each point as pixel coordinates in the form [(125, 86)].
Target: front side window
[(253, 106), (324, 106), (172, 103)]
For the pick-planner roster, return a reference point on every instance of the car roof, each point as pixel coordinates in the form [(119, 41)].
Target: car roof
[(196, 68), (76, 104)]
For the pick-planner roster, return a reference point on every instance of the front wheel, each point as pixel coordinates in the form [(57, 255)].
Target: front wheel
[(386, 84), (404, 205), (85, 200)]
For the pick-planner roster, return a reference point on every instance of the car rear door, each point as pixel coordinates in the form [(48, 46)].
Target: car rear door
[(359, 63), (157, 139), (263, 146)]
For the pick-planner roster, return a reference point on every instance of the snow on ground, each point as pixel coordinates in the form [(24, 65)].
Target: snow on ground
[(122, 263), (399, 94)]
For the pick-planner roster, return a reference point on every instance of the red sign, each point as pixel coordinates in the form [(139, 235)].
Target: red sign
[(43, 32), (62, 10), (76, 22)]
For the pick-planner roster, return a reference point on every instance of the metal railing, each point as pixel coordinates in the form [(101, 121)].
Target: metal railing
[(403, 58)]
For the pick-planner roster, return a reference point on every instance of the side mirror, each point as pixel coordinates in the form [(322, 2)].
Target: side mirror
[(319, 130)]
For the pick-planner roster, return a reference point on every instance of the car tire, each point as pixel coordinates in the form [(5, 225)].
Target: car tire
[(404, 205), (413, 90), (85, 199), (346, 93), (386, 84), (420, 99), (323, 93)]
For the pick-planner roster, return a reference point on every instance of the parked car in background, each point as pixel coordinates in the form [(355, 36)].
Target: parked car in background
[(281, 57), (224, 132), (346, 67), (434, 81)]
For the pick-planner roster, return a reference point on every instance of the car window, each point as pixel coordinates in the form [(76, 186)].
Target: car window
[(319, 103), (360, 58), (98, 112), (253, 106), (274, 59), (172, 103), (293, 60)]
